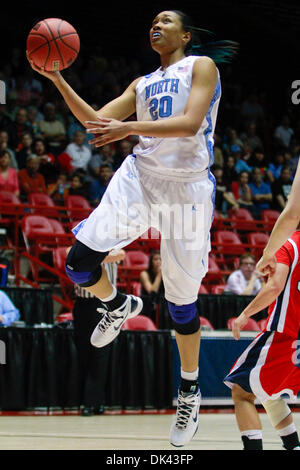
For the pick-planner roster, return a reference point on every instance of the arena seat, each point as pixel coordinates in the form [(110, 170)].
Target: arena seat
[(258, 240), (269, 217), (8, 219), (206, 323), (228, 243), (78, 207), (59, 260), (47, 207), (243, 220), (136, 259), (140, 322), (251, 325), (219, 289), (202, 290)]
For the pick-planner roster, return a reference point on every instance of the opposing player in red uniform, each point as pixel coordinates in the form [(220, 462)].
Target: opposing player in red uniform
[(270, 366)]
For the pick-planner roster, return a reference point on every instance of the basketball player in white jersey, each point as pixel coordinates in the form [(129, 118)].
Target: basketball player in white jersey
[(176, 108)]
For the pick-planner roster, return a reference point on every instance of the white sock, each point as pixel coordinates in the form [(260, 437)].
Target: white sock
[(190, 375), (290, 429), (252, 434), (111, 296)]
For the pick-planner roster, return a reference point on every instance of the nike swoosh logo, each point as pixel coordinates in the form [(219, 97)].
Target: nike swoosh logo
[(116, 328), (195, 418)]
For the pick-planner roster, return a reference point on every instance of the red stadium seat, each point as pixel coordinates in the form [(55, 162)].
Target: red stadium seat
[(134, 263), (47, 207), (59, 260), (269, 217), (8, 219), (136, 259), (202, 290), (228, 243), (206, 323), (243, 220), (258, 240), (141, 323), (218, 289), (136, 288), (251, 325), (78, 207)]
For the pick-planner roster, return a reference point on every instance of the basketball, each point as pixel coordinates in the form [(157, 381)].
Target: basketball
[(53, 44)]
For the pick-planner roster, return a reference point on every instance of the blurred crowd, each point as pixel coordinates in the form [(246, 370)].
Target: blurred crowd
[(43, 148)]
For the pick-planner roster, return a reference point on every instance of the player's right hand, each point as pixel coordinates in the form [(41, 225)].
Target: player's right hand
[(238, 325), (267, 265), (51, 75)]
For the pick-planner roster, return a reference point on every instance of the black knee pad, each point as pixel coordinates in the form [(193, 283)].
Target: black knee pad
[(185, 318), (188, 328), (83, 265)]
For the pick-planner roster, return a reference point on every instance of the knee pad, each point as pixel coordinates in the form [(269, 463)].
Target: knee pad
[(276, 410), (83, 265), (185, 318)]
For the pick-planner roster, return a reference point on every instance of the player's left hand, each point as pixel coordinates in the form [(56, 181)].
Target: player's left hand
[(109, 130), (238, 325)]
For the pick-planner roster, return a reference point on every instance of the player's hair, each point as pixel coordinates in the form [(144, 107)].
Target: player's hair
[(221, 51)]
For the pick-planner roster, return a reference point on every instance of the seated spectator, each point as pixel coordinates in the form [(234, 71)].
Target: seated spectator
[(283, 133), (30, 180), (78, 186), (251, 137), (245, 280), (8, 176), (25, 150), (7, 125), (274, 170), (152, 284), (20, 126), (8, 312), (218, 154), (242, 192), (98, 187), (229, 172), (47, 166), (105, 156), (231, 139), (240, 163), (224, 198), (34, 117), (52, 130), (58, 191), (261, 193), (259, 160), (79, 152), (281, 189), (4, 146), (295, 154)]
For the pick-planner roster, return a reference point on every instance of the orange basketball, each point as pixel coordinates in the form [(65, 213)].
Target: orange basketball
[(53, 44)]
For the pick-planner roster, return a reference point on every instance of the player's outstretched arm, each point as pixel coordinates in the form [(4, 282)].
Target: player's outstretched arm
[(269, 292), (120, 108), (204, 83), (284, 227)]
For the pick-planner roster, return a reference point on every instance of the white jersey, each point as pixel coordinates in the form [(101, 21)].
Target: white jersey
[(164, 94)]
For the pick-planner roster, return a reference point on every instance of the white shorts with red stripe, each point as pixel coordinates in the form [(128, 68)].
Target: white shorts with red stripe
[(269, 367)]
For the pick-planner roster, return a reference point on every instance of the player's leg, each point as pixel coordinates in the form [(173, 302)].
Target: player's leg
[(120, 218), (184, 264), (281, 418), (247, 418)]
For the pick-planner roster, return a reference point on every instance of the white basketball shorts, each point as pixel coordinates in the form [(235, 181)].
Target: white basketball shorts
[(181, 210)]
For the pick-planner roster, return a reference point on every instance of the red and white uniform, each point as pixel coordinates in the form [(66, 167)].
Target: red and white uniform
[(270, 366)]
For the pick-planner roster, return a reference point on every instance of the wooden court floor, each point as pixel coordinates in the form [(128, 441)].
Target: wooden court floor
[(118, 432)]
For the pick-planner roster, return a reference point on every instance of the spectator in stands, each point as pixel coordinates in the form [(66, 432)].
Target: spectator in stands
[(8, 176), (25, 150), (8, 312), (283, 133), (251, 136), (78, 186), (34, 117), (218, 154), (275, 169), (47, 166), (259, 160), (152, 285), (240, 163), (30, 180), (58, 191), (124, 149), (7, 125), (242, 192), (261, 193), (79, 152), (52, 130), (98, 187), (231, 139), (224, 198), (295, 154), (4, 146), (229, 172), (281, 189), (105, 156), (20, 126), (245, 280)]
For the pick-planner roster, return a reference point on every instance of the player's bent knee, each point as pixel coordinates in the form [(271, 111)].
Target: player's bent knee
[(185, 318), (83, 265), (277, 410), (239, 394)]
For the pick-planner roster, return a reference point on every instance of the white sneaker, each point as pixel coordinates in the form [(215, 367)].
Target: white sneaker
[(185, 424), (110, 325)]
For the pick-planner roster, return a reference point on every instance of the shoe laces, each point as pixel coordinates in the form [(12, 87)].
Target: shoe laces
[(185, 407), (107, 320)]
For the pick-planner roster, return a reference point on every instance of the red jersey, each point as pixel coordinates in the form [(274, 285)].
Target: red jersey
[(284, 312)]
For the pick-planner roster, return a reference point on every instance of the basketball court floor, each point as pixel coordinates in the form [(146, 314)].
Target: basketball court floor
[(217, 431)]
